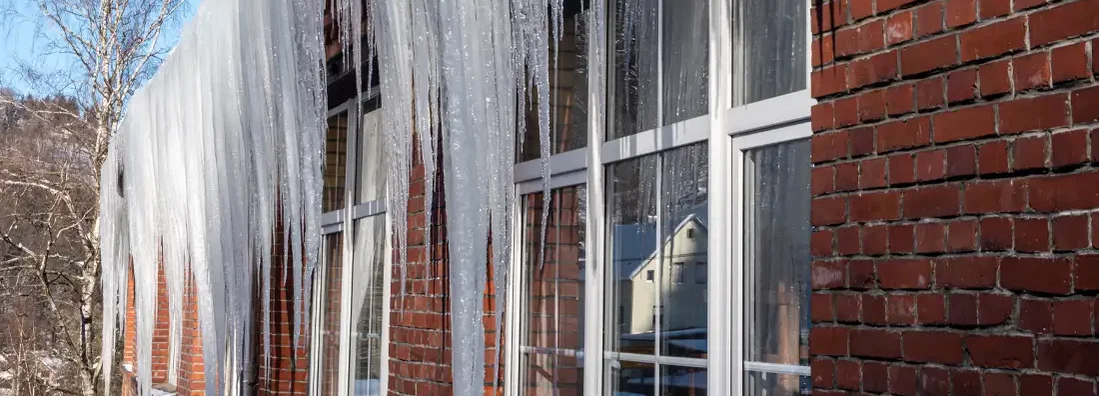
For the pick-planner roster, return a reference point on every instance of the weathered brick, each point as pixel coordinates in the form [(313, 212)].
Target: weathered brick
[(1070, 232), (828, 274), (930, 93), (901, 134), (1035, 384), (902, 238), (876, 343), (1030, 114), (902, 380), (961, 85), (995, 351), (1069, 356), (1069, 148), (1029, 152), (1063, 21), (1031, 71), (928, 55), (995, 39), (1069, 62), (994, 196), (902, 169), (1032, 234), (875, 240), (930, 165), (932, 347), (961, 235), (930, 308), (929, 18), (828, 211), (872, 206), (997, 233), (992, 157), (1064, 192), (904, 273), (1036, 274), (900, 309), (930, 237), (967, 123), (970, 272), (966, 382), (1035, 316), (900, 99), (1073, 317), (875, 377), (872, 173), (848, 374), (1085, 105), (820, 307), (823, 372), (960, 12), (931, 201), (999, 384), (995, 78)]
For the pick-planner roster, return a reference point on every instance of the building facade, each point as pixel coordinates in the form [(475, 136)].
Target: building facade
[(774, 198)]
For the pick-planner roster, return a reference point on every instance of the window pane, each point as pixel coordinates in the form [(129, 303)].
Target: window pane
[(631, 379), (777, 253), (632, 233), (770, 41), (685, 381), (635, 67), (553, 375), (368, 295), (771, 384), (371, 167), (686, 45), (335, 162), (330, 314), (683, 217), (569, 85), (555, 288)]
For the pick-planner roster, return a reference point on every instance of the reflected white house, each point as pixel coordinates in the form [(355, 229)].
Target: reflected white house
[(682, 286)]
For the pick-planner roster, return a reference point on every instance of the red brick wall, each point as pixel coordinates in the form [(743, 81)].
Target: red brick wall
[(955, 196)]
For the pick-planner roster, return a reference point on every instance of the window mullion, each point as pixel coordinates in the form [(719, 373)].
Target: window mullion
[(595, 268)]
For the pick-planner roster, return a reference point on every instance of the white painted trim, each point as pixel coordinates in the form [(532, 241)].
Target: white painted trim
[(764, 367), (368, 209), (333, 217), (718, 312), (515, 310), (565, 180), (785, 109), (679, 134), (567, 162)]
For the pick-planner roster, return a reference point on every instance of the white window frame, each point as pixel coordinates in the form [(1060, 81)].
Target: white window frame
[(342, 221), (729, 130)]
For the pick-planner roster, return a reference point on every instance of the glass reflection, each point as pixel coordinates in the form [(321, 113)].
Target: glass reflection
[(631, 308), (368, 295), (335, 163), (686, 63), (371, 167), (631, 379), (553, 375), (772, 384), (682, 381), (635, 58), (330, 314), (684, 216), (771, 38)]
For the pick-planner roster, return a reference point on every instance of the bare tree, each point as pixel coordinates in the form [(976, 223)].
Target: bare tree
[(51, 151)]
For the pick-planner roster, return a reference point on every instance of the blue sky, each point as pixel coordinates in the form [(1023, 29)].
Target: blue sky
[(18, 42)]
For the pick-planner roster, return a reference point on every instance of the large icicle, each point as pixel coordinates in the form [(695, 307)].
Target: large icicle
[(223, 141)]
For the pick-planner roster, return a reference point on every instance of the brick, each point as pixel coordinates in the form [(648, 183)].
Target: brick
[(930, 309), (828, 274), (996, 351), (929, 18), (970, 272), (875, 377), (1032, 234), (1070, 232), (872, 173), (902, 380), (821, 116), (995, 8), (887, 5), (932, 347), (900, 99), (1069, 62), (1085, 105), (930, 165), (822, 243), (873, 310), (896, 135), (875, 240), (860, 9), (992, 157), (1075, 386), (931, 201), (1086, 273), (994, 309), (930, 237), (871, 36), (822, 179), (875, 343), (961, 236), (1063, 21), (1047, 194), (960, 13), (829, 81), (902, 238), (860, 274), (994, 196), (904, 273), (1035, 385), (847, 176), (820, 308), (963, 309), (898, 28), (994, 39), (848, 307), (966, 382), (900, 309), (1069, 357), (902, 169), (828, 211), (1036, 316), (823, 372), (961, 85), (934, 381), (823, 52), (833, 14), (999, 384), (930, 93), (995, 78), (961, 161), (872, 106), (1031, 71), (1036, 274), (1072, 317), (874, 206), (997, 233), (1028, 4), (1069, 148), (848, 374), (848, 241), (928, 55), (846, 112), (1029, 152), (967, 123), (872, 70), (847, 42), (1043, 112)]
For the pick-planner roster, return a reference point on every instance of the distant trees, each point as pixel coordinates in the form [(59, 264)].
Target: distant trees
[(51, 150)]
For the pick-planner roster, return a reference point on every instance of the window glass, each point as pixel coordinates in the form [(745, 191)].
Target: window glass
[(335, 162), (659, 44), (631, 195), (679, 380), (777, 256), (769, 39), (631, 379), (684, 215), (371, 167), (329, 303), (368, 296), (767, 384), (569, 89), (553, 341)]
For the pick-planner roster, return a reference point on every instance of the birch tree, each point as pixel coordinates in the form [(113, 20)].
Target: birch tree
[(50, 159)]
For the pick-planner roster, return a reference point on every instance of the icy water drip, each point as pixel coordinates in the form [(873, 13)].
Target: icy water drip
[(225, 141)]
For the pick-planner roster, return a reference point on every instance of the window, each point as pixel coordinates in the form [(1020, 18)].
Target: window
[(696, 97), (350, 310)]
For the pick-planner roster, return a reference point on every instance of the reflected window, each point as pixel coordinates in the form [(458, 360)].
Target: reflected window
[(553, 291), (776, 257)]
